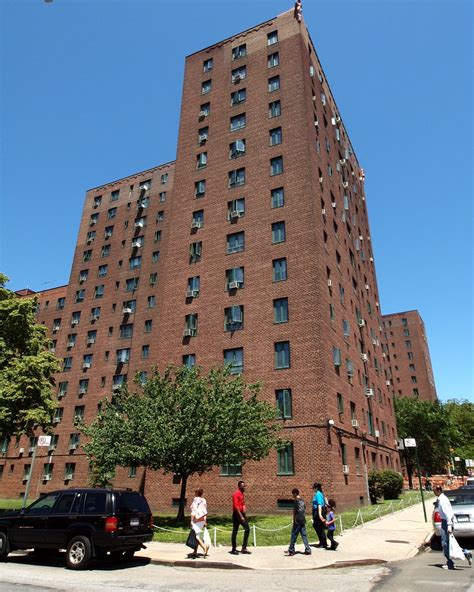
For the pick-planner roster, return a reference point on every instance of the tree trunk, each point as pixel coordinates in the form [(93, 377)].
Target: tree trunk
[(182, 499)]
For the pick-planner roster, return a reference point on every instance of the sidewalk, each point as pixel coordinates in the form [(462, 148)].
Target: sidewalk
[(391, 538)]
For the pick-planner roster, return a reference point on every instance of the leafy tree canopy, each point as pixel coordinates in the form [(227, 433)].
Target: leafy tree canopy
[(461, 414), (26, 366), (183, 422)]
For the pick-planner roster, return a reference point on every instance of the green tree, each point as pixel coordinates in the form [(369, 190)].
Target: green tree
[(461, 414), (182, 422), (26, 366), (431, 426)]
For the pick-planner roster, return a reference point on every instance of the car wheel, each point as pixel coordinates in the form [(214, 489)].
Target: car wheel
[(4, 546), (435, 543), (128, 555), (78, 553)]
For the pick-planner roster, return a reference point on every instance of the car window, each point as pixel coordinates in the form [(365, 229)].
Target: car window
[(44, 504), (131, 502), (95, 502), (64, 504), (462, 500)]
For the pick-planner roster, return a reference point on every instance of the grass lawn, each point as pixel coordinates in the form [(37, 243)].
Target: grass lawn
[(280, 525)]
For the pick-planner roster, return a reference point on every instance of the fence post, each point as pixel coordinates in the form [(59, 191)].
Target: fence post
[(215, 536), (361, 517), (340, 524), (254, 536)]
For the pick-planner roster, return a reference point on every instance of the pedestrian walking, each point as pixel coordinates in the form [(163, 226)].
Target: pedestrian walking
[(445, 510), (331, 524), (239, 519), (199, 520), (299, 524), (319, 515)]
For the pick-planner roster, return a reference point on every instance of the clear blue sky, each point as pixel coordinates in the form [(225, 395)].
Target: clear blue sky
[(91, 90)]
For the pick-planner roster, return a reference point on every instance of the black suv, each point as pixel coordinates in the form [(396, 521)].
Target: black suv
[(86, 522)]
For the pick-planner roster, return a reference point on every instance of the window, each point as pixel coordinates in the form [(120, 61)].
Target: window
[(272, 38), (279, 270), (370, 423), (234, 278), (412, 368), (153, 278), (239, 52), (137, 242), (195, 251), (238, 97), (346, 328), (239, 74), (235, 208), (67, 363), (340, 405), (118, 380), (62, 388), (79, 296), (97, 201), (207, 65), (122, 356), (350, 368), (341, 294), (93, 219), (189, 360), (87, 255), (205, 110), (126, 331), (236, 178), (410, 355), (280, 310), (273, 83), (193, 286), (87, 361), (275, 136), (102, 271), (276, 166), (91, 236), (237, 122), (131, 284), (234, 357), (285, 460), (416, 392), (105, 251), (336, 356), (47, 472), (61, 303), (83, 274), (278, 232), (406, 332), (129, 306), (74, 440), (273, 60), (78, 413), (405, 322), (99, 291), (237, 149), (200, 188), (58, 415), (201, 160), (235, 242), (75, 317), (111, 213), (283, 403), (135, 262), (282, 354), (162, 196), (274, 109), (413, 379), (203, 135), (69, 471), (234, 318), (277, 197), (115, 195), (408, 344), (190, 325), (56, 325), (150, 302), (231, 470), (71, 339), (143, 203), (155, 256), (164, 178), (91, 337), (206, 87)]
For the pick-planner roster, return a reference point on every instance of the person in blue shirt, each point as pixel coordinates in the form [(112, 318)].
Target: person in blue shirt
[(331, 524), (319, 515)]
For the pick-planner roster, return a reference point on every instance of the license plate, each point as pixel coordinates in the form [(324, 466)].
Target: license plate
[(134, 522), (462, 518)]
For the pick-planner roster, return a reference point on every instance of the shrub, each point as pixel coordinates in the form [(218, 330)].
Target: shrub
[(392, 484), (375, 486)]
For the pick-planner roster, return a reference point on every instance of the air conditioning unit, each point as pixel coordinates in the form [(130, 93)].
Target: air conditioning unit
[(388, 383), (31, 449), (90, 340), (144, 187), (374, 342), (74, 321), (323, 211), (126, 310), (371, 259), (139, 224), (342, 161), (320, 179), (21, 451), (234, 214), (361, 238), (202, 138), (68, 476), (329, 283), (364, 357), (82, 278), (316, 123), (236, 78), (338, 119), (86, 365), (354, 423), (196, 224), (202, 113), (73, 446), (369, 392), (314, 97), (311, 71), (82, 390), (116, 387), (333, 120), (94, 317), (52, 448), (136, 243), (189, 332), (345, 184), (334, 204), (47, 477), (361, 323), (191, 293), (71, 343), (345, 469), (367, 287), (377, 304), (234, 285), (107, 235), (56, 419), (377, 434)]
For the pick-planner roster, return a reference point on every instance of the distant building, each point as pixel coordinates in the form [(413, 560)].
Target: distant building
[(253, 249), (410, 361)]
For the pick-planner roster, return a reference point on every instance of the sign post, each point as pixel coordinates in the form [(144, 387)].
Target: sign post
[(411, 443), (42, 441)]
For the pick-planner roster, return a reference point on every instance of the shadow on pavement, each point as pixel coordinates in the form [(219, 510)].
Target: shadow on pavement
[(59, 560)]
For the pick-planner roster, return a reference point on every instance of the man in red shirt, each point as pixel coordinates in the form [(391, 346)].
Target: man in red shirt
[(239, 518)]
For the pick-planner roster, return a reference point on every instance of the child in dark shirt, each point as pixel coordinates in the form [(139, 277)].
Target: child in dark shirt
[(331, 524), (299, 524)]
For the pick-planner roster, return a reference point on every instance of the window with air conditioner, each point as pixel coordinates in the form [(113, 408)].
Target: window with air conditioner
[(193, 287), (234, 318), (235, 208), (234, 278), (206, 87), (239, 74)]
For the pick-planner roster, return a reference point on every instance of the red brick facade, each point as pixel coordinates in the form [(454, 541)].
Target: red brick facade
[(410, 361), (331, 320)]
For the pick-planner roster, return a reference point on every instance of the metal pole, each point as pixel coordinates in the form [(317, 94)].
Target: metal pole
[(30, 475), (419, 481), (254, 536)]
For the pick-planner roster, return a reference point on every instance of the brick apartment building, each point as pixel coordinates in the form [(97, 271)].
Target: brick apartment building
[(409, 355), (252, 248)]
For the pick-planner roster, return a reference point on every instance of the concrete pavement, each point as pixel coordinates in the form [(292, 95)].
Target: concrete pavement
[(394, 537)]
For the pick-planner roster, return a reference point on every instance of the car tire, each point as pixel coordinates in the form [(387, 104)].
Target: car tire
[(435, 543), (4, 546), (78, 552), (129, 555)]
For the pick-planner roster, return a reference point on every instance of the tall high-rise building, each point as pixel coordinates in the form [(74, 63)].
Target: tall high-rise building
[(253, 248), (409, 355)]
